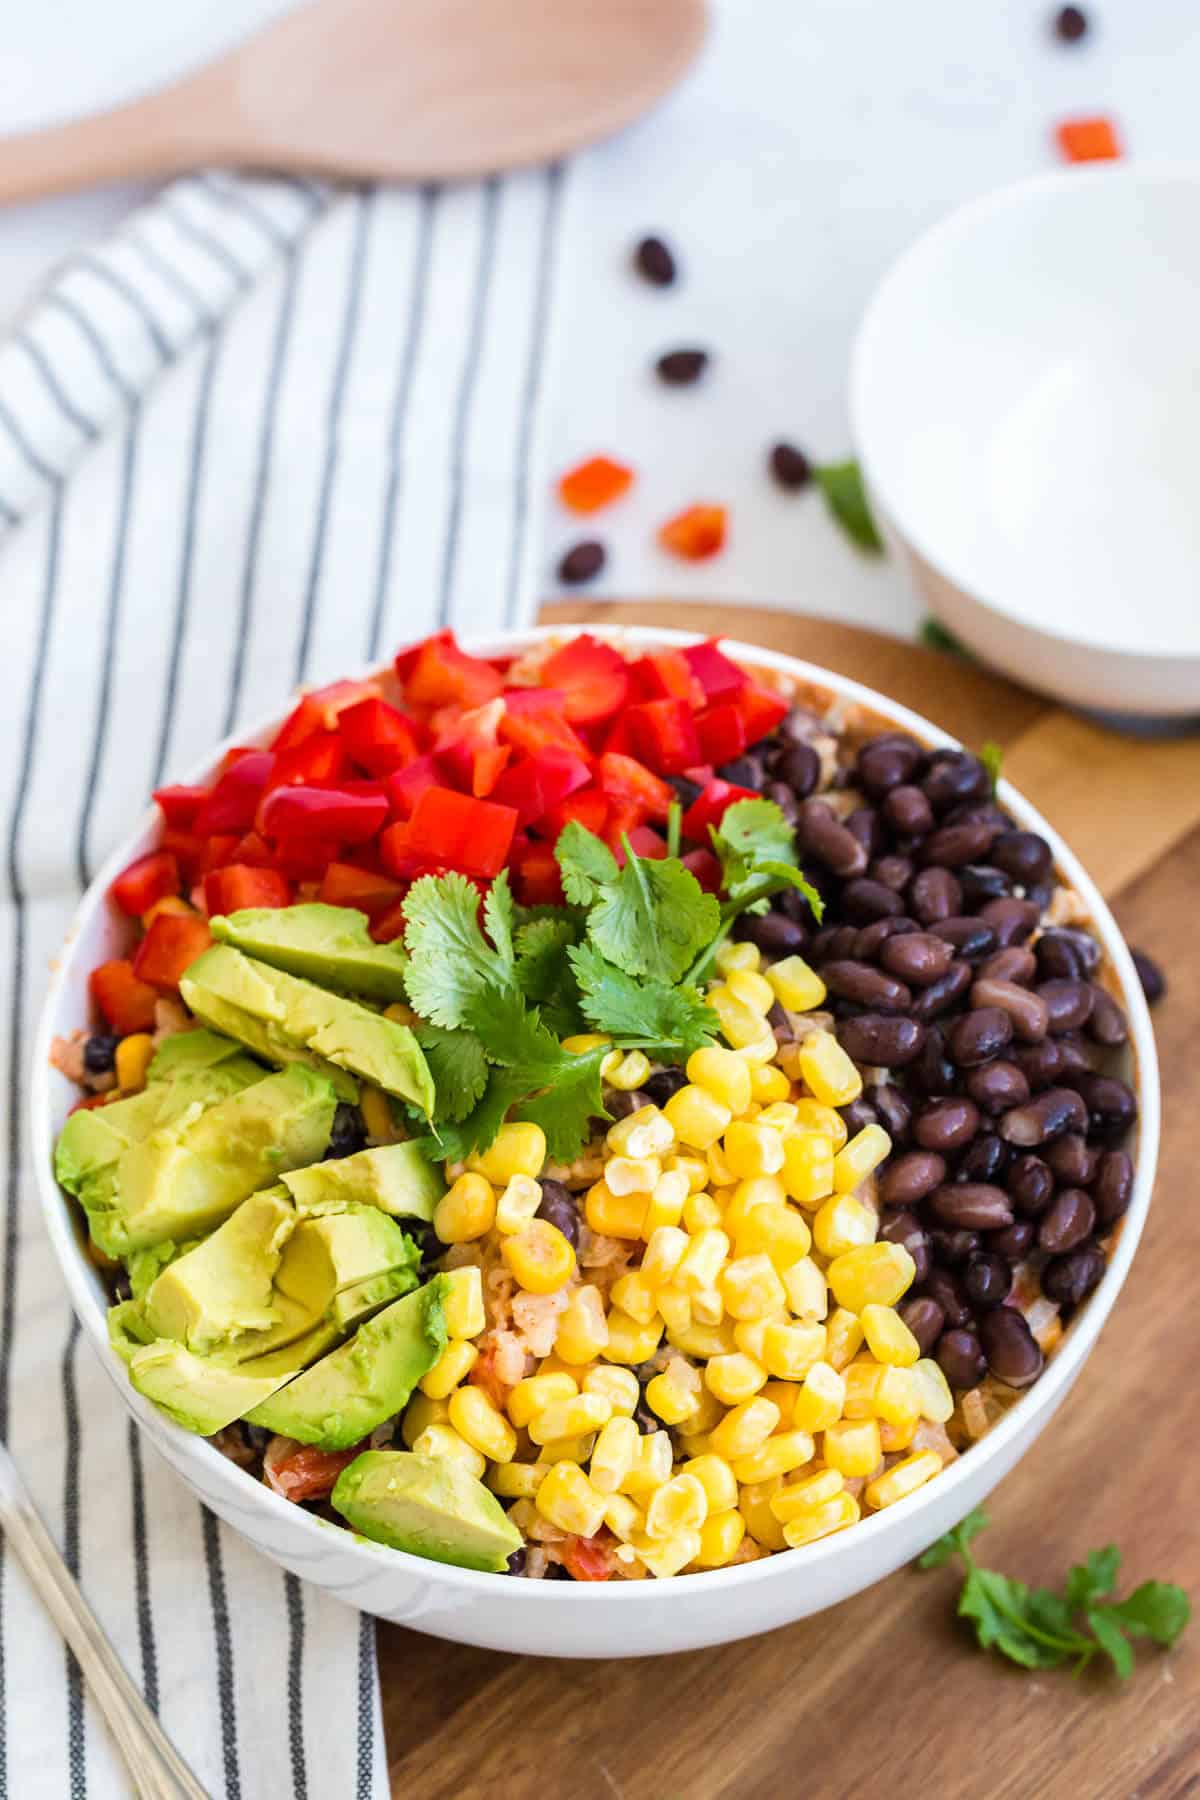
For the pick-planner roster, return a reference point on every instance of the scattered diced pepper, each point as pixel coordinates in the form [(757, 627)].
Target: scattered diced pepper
[(449, 830), (537, 878), (625, 782), (320, 758), (695, 533), (761, 710), (541, 781), (722, 732), (1088, 140), (406, 786), (436, 672), (594, 484), (233, 802), (709, 808), (238, 885), (308, 1473), (667, 675), (351, 814), (148, 879), (665, 734), (179, 805), (126, 1002), (717, 674), (593, 679), (379, 737), (320, 711), (171, 945), (343, 884)]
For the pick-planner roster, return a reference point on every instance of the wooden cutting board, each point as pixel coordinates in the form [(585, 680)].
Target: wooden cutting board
[(885, 1695)]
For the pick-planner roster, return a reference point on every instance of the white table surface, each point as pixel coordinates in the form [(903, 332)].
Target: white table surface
[(808, 147)]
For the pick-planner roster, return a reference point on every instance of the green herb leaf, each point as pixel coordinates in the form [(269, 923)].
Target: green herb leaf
[(1112, 1641), (450, 961), (1157, 1609), (757, 851), (1091, 1581), (648, 1014), (653, 918), (997, 1608), (458, 1066), (934, 636), (498, 917), (955, 1541), (585, 861), (992, 757), (544, 973), (566, 1110), (842, 486), (674, 827)]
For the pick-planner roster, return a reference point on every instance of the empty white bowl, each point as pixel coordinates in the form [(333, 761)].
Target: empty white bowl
[(558, 1618), (1025, 397)]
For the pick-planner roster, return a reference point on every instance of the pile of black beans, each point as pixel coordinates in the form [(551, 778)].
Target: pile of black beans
[(997, 1037)]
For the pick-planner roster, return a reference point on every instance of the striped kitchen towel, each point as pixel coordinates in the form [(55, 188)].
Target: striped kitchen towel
[(266, 433)]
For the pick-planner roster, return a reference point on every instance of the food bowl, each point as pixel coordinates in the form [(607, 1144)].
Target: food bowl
[(619, 1618), (1026, 411)]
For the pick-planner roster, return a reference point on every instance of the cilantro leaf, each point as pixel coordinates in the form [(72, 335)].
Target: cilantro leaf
[(934, 636), (653, 918), (450, 960), (846, 498), (956, 1540), (1090, 1581), (567, 1107), (1156, 1609), (544, 973), (458, 1066), (498, 917), (757, 849), (1112, 1641), (649, 1015), (998, 1609), (585, 861), (992, 758)]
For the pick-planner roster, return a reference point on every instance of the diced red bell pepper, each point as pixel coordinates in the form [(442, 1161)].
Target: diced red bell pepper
[(537, 878), (320, 711), (541, 782), (171, 945), (251, 849), (235, 754), (593, 678), (379, 737), (586, 807), (238, 885), (387, 926), (696, 533), (483, 1375), (127, 1003), (233, 802), (625, 782), (619, 737), (593, 484), (647, 842), (533, 720), (150, 878), (179, 805), (705, 867), (344, 885), (436, 672), (406, 786), (717, 674), (665, 734), (308, 1473), (187, 849), (218, 851), (667, 675), (449, 830), (709, 807), (350, 814), (1088, 140), (761, 708), (320, 758), (722, 732), (466, 747), (588, 1559)]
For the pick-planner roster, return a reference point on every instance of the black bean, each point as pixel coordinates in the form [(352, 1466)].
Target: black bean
[(781, 1025), (1070, 24), (955, 777), (99, 1052), (1112, 1189), (972, 1206), (857, 1114), (988, 1280), (895, 1113), (1015, 1242), (646, 1421), (932, 1074), (773, 932), (1111, 1107), (970, 937), (347, 1134), (582, 562), (960, 1358), (916, 956), (1072, 1160), (906, 1229), (785, 800), (789, 467), (984, 1160), (936, 895), (1031, 1185), (659, 1087), (954, 846), (980, 882), (558, 1208), (1067, 1222), (996, 1087), (1014, 963), (1058, 959), (1070, 1279), (827, 839), (943, 993), (1029, 1015), (800, 768), (909, 1178), (516, 1562), (1011, 920), (886, 762), (866, 986), (679, 368), (743, 771), (620, 1102), (1013, 1353), (1044, 1117), (1107, 1024), (893, 871), (653, 260), (1068, 1002), (1074, 1057), (908, 812), (1023, 855), (952, 1249), (1087, 950), (1041, 1064), (871, 939), (979, 1035), (925, 1319), (836, 942), (1154, 982), (881, 1040), (864, 901), (946, 1290), (122, 1289)]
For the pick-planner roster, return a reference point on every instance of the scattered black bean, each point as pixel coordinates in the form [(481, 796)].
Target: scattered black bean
[(960, 1358), (857, 1114), (936, 895), (1070, 24), (824, 836), (866, 986), (906, 1229), (909, 1178), (925, 1319), (932, 1073), (516, 1562), (1015, 1241), (655, 262), (985, 1159), (679, 368), (1068, 1002), (744, 771), (978, 1036), (789, 467), (954, 846), (347, 1134), (955, 777), (987, 1279), (1067, 1222), (1031, 1185), (953, 1248), (99, 1053), (1112, 1189), (774, 933), (895, 1113), (943, 993), (917, 957), (1013, 1353), (893, 871), (871, 939), (972, 1206), (1010, 920), (1072, 1160), (620, 1102), (881, 1040), (1154, 982), (1070, 1279), (582, 562), (1111, 1107), (866, 901), (946, 1289), (558, 1208), (1029, 1016), (1107, 1024), (1046, 1116), (785, 800), (1023, 855), (996, 1087), (659, 1087), (887, 762), (908, 812), (970, 937)]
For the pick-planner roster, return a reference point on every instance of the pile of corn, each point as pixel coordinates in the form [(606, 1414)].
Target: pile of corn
[(793, 1390)]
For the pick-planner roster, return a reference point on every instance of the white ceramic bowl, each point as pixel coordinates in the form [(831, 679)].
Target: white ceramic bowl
[(552, 1618), (1025, 399)]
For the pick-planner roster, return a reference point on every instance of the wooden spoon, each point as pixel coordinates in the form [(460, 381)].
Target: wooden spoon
[(421, 90)]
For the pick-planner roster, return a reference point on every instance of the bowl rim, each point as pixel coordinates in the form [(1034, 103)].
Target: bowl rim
[(196, 1452), (961, 222)]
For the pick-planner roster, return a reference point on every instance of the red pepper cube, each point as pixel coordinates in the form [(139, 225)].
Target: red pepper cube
[(761, 710), (452, 831), (706, 868), (1088, 140), (218, 851), (593, 679), (436, 672), (233, 802), (665, 734), (188, 850), (540, 782), (594, 484), (238, 886), (537, 878), (170, 946), (343, 884), (125, 1002), (709, 808), (378, 737), (646, 842), (320, 711), (696, 533), (179, 805), (667, 675), (387, 926), (718, 676), (350, 814), (722, 733), (306, 858), (150, 878), (251, 849), (589, 1559), (320, 758), (586, 807), (533, 721), (626, 783), (405, 787)]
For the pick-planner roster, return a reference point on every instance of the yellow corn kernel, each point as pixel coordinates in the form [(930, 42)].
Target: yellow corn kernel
[(811, 1115), (540, 1258), (632, 1174), (629, 1342), (761, 1050), (783, 1395), (693, 1168), (821, 1521), (420, 1413), (751, 1288), (748, 1196), (462, 1302), (903, 1478), (795, 985), (827, 1071), (630, 1072), (666, 1203), (804, 1496), (894, 1438), (675, 1394), (701, 1212), (704, 1341), (716, 1478), (583, 1041), (789, 1351), (752, 1150), (618, 1386), (777, 1231), (702, 1261), (806, 1288), (722, 1075), (646, 1132), (888, 1338), (744, 1428), (516, 1480), (574, 1417), (623, 1516), (862, 1384), (652, 1466), (676, 1308), (452, 1366), (613, 1454), (852, 1446), (482, 1426), (680, 1504), (861, 1156), (615, 1215), (752, 989), (769, 1085), (933, 1391), (820, 1399), (664, 1252), (897, 1398), (869, 1274), (720, 1537), (844, 1337), (720, 1175), (443, 1443), (465, 1211), (749, 1334), (740, 1024), (518, 1204), (734, 1378), (781, 1114), (133, 1057), (634, 1295), (568, 1449), (666, 1556), (731, 957), (808, 1167), (567, 1498), (754, 1504), (536, 1393), (843, 1223), (377, 1115), (782, 1452), (708, 1307), (582, 1327), (697, 1117), (518, 1149)]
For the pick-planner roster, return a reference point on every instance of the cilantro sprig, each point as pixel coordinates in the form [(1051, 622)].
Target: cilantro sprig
[(1042, 1628)]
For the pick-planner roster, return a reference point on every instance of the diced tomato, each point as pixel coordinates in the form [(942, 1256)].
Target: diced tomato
[(233, 802), (593, 484), (171, 945), (344, 885), (709, 808), (665, 734), (406, 786), (624, 782), (320, 711), (320, 758), (451, 831), (126, 1003), (238, 885), (350, 814), (716, 673), (150, 878), (667, 675), (541, 782), (722, 732), (379, 737), (696, 533), (387, 926), (187, 849), (705, 867), (436, 672), (533, 720), (761, 709), (587, 807), (593, 677), (537, 878), (588, 1559), (1088, 140), (308, 1473), (179, 805)]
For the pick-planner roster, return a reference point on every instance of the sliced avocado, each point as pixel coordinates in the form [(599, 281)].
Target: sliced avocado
[(127, 1329), (330, 945), (337, 1253), (279, 1014), (145, 1266), (427, 1506), (397, 1178), (185, 1178), (224, 1287), (348, 1393), (193, 1052), (198, 1394), (266, 1039)]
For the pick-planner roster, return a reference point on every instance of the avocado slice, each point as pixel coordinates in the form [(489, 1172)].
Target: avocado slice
[(427, 1506), (283, 1016), (264, 1035), (143, 1267), (193, 1052), (186, 1177), (397, 1178), (331, 945), (354, 1389), (198, 1394), (223, 1288)]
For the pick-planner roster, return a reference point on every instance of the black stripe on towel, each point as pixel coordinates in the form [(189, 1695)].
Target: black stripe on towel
[(87, 330), (466, 390), (86, 426), (294, 1597), (76, 1747), (223, 1640), (534, 370), (16, 432), (365, 1761), (100, 271)]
